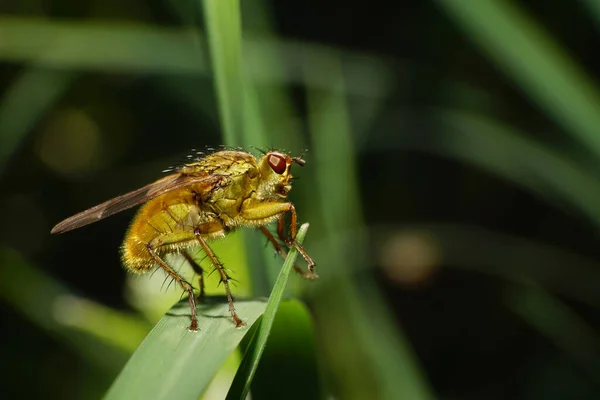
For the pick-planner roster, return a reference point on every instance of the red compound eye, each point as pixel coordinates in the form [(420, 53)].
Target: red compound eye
[(277, 163)]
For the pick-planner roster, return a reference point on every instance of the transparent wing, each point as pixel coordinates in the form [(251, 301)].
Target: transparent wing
[(134, 198)]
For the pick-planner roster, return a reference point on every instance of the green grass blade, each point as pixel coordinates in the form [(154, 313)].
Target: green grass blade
[(174, 363), (223, 27), (241, 383)]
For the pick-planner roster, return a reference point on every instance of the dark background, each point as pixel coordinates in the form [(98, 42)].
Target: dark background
[(506, 306)]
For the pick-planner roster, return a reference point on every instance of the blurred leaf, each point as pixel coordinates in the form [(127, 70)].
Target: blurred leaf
[(223, 26), (41, 300), (351, 314), (109, 326), (174, 363), (594, 7), (567, 330), (527, 54), (138, 48), (116, 47), (329, 122), (503, 151), (507, 152), (279, 122), (243, 379), (25, 102)]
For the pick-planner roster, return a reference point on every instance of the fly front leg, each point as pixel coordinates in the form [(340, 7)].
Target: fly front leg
[(265, 212), (291, 240), (282, 253)]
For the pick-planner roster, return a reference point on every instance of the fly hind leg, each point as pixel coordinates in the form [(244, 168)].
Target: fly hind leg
[(181, 281), (198, 270), (224, 277)]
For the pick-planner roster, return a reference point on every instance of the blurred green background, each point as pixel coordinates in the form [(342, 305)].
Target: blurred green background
[(453, 155)]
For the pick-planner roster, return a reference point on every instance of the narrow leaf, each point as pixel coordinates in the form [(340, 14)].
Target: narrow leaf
[(174, 363), (241, 383)]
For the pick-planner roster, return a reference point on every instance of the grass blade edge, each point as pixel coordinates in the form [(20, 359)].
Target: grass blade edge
[(243, 378)]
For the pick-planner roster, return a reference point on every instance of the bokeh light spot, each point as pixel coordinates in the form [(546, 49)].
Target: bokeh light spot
[(410, 257), (70, 142)]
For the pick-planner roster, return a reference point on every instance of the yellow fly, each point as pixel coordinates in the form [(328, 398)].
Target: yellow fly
[(203, 200)]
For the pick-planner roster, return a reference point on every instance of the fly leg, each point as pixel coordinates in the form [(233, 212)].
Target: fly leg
[(179, 279), (224, 277), (282, 253), (198, 270), (264, 211), (291, 240)]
